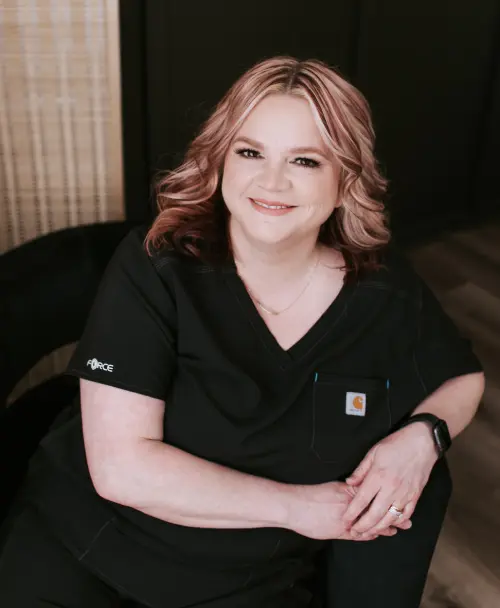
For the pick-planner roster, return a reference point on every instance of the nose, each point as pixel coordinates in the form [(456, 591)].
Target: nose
[(273, 177)]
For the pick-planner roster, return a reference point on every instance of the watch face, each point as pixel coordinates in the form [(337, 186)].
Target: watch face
[(442, 436)]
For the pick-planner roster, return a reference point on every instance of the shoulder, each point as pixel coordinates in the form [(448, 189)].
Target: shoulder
[(133, 251), (396, 274), (167, 266)]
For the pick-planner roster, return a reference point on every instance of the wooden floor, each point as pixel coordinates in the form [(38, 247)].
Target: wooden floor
[(463, 270)]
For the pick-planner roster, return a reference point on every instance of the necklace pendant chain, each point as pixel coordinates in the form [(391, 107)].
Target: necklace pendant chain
[(275, 313)]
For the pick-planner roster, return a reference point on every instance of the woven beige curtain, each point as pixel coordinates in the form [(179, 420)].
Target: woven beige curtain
[(60, 122)]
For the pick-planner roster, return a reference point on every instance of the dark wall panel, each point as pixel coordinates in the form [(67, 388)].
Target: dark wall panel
[(425, 69), (486, 193), (134, 108), (197, 50), (430, 70)]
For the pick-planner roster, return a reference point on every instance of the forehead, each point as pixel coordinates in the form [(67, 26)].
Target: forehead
[(282, 120)]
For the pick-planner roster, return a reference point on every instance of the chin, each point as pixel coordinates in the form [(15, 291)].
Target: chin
[(269, 237), (266, 231)]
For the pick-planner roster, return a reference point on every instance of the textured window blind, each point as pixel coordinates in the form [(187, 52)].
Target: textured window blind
[(60, 125), (60, 142)]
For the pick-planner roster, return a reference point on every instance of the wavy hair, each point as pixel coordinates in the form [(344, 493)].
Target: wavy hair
[(192, 218)]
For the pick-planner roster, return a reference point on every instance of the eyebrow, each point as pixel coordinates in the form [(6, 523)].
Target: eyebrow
[(299, 150)]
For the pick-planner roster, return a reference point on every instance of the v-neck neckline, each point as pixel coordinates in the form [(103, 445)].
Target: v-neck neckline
[(323, 326)]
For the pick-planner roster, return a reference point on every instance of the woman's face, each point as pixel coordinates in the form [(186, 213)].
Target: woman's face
[(279, 181)]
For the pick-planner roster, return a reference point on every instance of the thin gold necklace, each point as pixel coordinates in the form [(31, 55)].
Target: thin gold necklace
[(279, 312)]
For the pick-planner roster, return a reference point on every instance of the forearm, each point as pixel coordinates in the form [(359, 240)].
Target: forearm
[(175, 486), (456, 401)]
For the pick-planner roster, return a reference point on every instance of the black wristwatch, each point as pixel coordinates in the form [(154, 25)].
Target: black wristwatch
[(439, 428)]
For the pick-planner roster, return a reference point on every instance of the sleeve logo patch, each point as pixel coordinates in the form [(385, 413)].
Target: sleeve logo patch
[(95, 364), (355, 404)]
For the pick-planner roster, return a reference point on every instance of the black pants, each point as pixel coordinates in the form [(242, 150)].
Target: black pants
[(36, 571), (389, 572)]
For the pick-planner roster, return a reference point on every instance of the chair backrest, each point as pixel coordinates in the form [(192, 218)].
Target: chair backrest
[(47, 286), (46, 289)]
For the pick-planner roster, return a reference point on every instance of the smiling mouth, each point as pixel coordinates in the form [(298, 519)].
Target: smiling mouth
[(270, 205)]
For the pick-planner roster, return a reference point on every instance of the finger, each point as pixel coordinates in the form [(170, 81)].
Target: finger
[(361, 501), (363, 539), (377, 512), (403, 524), (390, 532), (386, 532), (361, 470), (358, 539), (387, 520), (410, 508)]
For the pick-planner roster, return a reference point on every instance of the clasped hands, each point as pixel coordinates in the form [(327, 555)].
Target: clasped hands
[(392, 474)]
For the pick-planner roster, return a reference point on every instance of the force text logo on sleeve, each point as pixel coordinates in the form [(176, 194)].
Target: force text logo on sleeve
[(95, 364)]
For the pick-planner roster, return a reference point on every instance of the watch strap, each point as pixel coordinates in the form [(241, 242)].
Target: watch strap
[(438, 427)]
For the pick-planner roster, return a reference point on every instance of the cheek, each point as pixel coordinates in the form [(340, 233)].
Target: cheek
[(227, 192), (235, 177), (322, 211), (329, 192), (323, 196), (228, 181), (232, 190)]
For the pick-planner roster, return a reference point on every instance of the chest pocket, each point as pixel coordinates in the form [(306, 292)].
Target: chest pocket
[(349, 416)]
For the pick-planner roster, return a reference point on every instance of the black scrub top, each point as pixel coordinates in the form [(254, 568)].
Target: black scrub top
[(172, 328)]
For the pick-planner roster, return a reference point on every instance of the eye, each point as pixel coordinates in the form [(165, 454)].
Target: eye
[(307, 162), (301, 161), (247, 152)]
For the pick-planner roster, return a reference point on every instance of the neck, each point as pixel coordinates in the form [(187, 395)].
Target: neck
[(273, 263)]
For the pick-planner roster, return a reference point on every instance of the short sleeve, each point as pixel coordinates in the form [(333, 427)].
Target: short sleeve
[(440, 352), (426, 347), (129, 338)]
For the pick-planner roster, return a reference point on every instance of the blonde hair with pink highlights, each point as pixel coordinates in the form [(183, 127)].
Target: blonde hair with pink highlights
[(192, 218)]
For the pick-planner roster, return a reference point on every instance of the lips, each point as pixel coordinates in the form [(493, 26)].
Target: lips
[(270, 208), (273, 205)]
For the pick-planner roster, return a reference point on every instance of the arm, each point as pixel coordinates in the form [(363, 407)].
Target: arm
[(443, 364), (396, 470), (456, 401), (175, 486), (446, 366), (129, 464)]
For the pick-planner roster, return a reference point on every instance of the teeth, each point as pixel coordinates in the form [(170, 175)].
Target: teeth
[(270, 206)]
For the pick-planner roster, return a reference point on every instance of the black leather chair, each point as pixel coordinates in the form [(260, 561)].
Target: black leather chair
[(47, 286)]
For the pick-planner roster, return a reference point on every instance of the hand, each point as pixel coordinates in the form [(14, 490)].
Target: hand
[(317, 512), (394, 472)]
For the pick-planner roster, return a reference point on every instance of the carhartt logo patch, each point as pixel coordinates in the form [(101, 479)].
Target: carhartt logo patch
[(355, 404), (95, 364)]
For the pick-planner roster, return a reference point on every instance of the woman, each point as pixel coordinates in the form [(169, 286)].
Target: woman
[(250, 375)]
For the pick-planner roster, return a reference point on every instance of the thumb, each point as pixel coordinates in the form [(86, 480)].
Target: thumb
[(361, 470)]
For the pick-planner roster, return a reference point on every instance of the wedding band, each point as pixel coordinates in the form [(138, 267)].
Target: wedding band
[(395, 511)]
